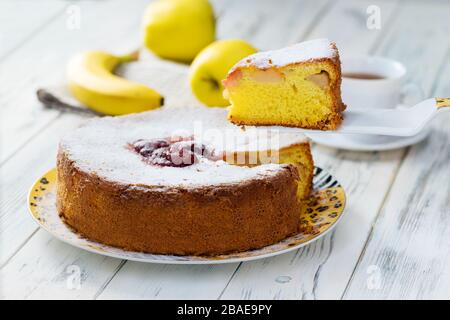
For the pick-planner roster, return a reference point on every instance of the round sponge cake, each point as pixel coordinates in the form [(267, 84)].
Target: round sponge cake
[(120, 183)]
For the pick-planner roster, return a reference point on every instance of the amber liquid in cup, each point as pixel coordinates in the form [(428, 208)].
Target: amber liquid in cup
[(363, 76)]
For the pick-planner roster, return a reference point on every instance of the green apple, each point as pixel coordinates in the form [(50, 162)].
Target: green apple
[(211, 66), (178, 29)]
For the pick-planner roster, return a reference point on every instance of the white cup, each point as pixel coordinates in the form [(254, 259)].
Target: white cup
[(389, 90), (372, 93)]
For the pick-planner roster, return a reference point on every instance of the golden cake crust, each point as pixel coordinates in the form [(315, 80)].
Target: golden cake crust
[(206, 220)]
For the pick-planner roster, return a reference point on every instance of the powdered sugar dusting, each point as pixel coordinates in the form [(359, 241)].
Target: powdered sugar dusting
[(300, 52), (100, 146)]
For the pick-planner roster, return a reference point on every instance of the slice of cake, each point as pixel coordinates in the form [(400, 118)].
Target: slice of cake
[(201, 186), (297, 86)]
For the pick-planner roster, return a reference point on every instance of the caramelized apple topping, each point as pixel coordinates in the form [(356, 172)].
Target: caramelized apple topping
[(268, 76), (321, 79)]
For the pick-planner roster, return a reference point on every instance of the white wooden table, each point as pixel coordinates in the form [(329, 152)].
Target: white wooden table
[(394, 241)]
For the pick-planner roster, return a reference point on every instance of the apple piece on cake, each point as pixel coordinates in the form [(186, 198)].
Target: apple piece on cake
[(297, 86)]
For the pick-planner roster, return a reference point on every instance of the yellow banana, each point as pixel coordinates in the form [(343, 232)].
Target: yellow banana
[(92, 82)]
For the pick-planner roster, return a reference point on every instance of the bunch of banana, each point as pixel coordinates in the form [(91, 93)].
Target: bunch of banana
[(91, 81)]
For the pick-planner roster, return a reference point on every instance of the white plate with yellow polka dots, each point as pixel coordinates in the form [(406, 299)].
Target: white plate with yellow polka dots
[(319, 216)]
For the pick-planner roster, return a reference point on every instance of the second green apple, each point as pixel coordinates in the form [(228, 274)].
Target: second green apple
[(211, 65)]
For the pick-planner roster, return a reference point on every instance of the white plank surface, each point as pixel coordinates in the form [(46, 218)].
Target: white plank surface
[(19, 230), (23, 118), (17, 176), (323, 269), (48, 269), (34, 265), (408, 255), (41, 61), (378, 183), (267, 25), (366, 178), (21, 20), (146, 281), (409, 250)]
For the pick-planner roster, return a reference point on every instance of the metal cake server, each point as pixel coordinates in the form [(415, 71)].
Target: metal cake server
[(403, 122)]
